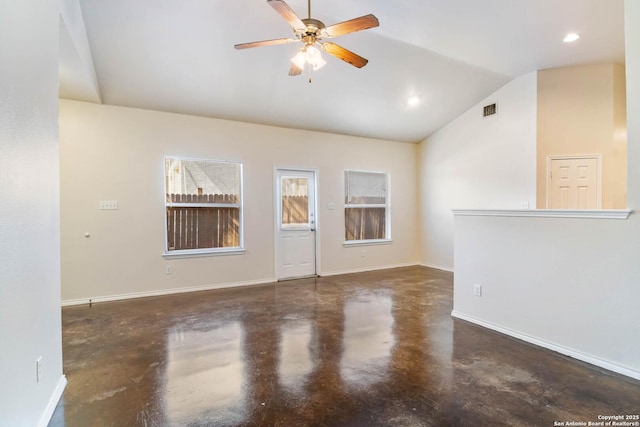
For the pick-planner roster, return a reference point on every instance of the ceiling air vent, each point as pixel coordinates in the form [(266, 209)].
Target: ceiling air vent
[(489, 110)]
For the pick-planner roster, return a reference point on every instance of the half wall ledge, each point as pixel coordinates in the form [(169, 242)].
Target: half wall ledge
[(548, 213)]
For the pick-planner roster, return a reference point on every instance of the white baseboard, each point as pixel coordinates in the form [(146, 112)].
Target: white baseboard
[(106, 298), (610, 366), (363, 270), (437, 267), (45, 418), (118, 297)]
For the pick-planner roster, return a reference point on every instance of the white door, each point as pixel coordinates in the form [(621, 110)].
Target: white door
[(295, 224), (573, 183)]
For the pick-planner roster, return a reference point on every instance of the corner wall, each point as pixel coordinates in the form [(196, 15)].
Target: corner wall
[(30, 324), (568, 284), (115, 153), (477, 162)]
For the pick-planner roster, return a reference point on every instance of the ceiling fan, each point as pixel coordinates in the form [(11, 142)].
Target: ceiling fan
[(312, 32)]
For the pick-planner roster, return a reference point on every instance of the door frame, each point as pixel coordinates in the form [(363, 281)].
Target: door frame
[(597, 157), (276, 209)]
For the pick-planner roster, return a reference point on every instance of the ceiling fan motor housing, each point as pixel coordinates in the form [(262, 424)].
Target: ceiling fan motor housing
[(311, 31), (313, 28)]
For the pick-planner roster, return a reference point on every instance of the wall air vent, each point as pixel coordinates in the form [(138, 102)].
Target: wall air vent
[(489, 110)]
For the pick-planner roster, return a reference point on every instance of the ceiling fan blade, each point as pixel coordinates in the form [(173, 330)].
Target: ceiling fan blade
[(295, 70), (344, 54), (287, 13), (264, 43), (352, 25)]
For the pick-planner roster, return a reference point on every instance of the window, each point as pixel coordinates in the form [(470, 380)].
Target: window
[(294, 202), (366, 206), (203, 205)]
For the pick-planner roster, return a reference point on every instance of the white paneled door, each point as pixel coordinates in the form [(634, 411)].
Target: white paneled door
[(573, 183), (295, 224)]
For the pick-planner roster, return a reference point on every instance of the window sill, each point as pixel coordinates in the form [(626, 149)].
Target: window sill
[(202, 253), (367, 242)]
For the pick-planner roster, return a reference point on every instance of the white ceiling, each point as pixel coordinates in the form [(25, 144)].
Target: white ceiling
[(178, 56)]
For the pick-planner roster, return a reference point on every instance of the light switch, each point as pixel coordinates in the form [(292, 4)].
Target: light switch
[(108, 205)]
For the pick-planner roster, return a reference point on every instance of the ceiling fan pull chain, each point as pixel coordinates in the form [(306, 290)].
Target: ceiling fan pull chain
[(308, 70), (311, 32)]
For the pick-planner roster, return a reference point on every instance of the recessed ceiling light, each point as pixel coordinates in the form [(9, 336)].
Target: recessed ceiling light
[(571, 37), (413, 101)]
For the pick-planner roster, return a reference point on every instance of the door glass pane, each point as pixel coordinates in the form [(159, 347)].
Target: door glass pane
[(295, 201)]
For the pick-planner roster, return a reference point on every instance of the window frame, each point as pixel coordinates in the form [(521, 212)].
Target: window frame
[(387, 206), (197, 252)]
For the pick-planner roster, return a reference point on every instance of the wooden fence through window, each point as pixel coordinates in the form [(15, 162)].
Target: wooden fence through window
[(195, 227), (365, 223), (295, 210)]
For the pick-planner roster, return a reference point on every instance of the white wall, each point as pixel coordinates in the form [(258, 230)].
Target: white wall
[(632, 43), (115, 153), (477, 162), (568, 284), (30, 325), (77, 75)]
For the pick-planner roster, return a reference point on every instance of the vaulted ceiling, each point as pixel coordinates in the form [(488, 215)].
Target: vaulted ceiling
[(178, 56)]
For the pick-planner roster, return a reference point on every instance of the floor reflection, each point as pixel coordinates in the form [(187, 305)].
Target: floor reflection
[(368, 337), (205, 375), (368, 349), (295, 362)]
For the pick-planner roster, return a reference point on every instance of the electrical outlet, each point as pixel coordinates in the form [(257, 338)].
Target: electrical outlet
[(477, 290), (39, 369), (108, 205), (362, 253), (169, 269), (524, 205)]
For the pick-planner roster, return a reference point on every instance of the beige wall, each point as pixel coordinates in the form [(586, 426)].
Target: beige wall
[(115, 153), (581, 110), (619, 148)]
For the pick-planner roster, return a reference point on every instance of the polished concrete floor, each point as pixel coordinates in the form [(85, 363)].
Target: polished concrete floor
[(367, 349)]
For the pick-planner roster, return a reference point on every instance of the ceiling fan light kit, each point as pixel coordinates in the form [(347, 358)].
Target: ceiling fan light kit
[(310, 32), (310, 55)]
